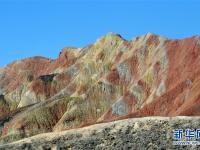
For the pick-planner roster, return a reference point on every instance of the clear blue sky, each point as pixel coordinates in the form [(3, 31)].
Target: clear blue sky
[(44, 27)]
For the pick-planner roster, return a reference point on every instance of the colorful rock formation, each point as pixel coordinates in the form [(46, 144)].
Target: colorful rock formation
[(109, 80)]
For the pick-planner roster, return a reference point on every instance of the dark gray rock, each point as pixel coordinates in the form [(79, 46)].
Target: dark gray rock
[(153, 133)]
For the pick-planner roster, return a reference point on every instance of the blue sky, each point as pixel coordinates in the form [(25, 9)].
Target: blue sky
[(43, 27)]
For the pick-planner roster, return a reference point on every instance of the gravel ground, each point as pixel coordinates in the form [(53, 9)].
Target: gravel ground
[(134, 134)]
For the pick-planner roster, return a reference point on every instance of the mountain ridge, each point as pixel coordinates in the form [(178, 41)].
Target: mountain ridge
[(109, 80)]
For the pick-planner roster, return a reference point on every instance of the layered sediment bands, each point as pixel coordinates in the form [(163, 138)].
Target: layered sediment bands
[(109, 80), (135, 133)]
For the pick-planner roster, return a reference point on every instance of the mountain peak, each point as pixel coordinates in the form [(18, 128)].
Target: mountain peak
[(111, 36)]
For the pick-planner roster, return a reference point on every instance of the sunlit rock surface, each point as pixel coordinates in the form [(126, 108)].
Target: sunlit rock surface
[(109, 80)]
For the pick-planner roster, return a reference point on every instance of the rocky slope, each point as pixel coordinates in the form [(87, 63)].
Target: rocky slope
[(109, 80), (137, 133)]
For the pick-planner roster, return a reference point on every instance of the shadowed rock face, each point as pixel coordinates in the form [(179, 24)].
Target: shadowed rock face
[(109, 80)]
